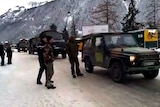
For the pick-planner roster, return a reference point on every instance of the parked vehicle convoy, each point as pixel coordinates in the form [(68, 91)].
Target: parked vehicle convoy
[(22, 45), (32, 44), (120, 54), (59, 46)]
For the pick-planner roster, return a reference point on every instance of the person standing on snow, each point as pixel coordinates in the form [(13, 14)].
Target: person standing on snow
[(40, 49), (48, 61), (2, 54), (9, 53), (72, 51)]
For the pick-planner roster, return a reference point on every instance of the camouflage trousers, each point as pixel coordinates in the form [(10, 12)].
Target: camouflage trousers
[(49, 73)]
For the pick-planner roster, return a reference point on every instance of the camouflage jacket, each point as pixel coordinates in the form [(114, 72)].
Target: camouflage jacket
[(48, 54)]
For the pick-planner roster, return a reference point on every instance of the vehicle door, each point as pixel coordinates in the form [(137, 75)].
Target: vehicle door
[(99, 50), (88, 50)]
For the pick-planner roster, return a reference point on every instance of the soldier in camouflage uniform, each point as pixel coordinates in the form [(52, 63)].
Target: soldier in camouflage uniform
[(48, 61), (72, 50)]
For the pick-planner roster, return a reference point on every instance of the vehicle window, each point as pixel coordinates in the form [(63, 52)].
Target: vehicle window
[(99, 42), (87, 43), (55, 35), (118, 40)]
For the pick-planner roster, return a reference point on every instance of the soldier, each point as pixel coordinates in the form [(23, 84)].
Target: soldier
[(2, 54), (48, 60), (72, 50), (40, 49), (9, 53)]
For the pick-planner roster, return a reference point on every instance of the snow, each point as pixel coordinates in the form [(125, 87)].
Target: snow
[(19, 89)]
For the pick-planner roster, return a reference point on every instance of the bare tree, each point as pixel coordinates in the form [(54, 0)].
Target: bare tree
[(105, 13), (153, 7)]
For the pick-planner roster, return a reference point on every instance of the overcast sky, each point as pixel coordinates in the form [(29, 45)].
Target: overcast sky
[(7, 4)]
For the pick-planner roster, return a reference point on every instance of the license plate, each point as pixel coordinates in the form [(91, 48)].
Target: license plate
[(149, 63)]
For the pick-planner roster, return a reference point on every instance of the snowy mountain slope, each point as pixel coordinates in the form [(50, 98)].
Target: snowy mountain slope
[(27, 23)]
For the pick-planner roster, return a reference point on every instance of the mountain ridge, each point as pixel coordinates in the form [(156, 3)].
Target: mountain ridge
[(27, 23)]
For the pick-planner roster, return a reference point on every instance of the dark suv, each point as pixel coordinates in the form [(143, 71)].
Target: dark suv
[(59, 46), (120, 54)]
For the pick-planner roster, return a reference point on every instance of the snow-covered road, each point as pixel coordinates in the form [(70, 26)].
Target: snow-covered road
[(18, 87)]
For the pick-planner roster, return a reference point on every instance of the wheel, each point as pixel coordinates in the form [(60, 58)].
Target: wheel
[(151, 74), (88, 65), (18, 50), (64, 55), (117, 72)]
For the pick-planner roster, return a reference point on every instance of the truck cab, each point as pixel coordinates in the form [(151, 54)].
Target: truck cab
[(33, 44), (22, 45), (120, 54)]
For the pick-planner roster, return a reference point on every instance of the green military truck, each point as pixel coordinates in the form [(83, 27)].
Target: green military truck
[(120, 54), (33, 44), (22, 45)]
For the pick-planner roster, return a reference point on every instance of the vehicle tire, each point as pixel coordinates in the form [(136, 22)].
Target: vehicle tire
[(18, 50), (88, 65), (117, 72), (151, 74), (64, 55)]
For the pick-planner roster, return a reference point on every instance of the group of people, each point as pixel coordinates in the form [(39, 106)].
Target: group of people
[(46, 59), (5, 48)]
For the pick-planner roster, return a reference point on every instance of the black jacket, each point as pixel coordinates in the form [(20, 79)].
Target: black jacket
[(40, 50), (9, 52), (1, 50)]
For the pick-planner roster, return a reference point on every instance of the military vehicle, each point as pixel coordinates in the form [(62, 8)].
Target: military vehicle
[(59, 46), (22, 45), (120, 54), (32, 45)]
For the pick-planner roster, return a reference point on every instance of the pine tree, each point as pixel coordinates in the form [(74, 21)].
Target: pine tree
[(129, 21)]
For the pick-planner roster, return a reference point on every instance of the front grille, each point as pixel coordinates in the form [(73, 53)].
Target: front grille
[(59, 44), (148, 57), (141, 59)]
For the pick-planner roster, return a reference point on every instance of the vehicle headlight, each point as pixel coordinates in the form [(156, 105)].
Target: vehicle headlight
[(132, 58)]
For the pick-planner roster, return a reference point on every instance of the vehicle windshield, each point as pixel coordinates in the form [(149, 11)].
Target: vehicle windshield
[(55, 35), (120, 40)]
